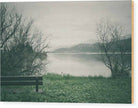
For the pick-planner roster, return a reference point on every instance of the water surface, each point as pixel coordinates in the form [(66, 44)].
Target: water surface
[(76, 64)]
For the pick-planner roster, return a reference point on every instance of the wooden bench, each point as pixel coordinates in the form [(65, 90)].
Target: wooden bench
[(21, 80)]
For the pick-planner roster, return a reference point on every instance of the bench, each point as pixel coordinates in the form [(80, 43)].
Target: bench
[(21, 81)]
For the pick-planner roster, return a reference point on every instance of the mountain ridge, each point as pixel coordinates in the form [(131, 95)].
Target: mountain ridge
[(87, 47)]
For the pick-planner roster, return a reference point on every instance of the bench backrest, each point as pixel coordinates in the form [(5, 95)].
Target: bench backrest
[(21, 80)]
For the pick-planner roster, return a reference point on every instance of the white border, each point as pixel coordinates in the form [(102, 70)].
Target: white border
[(54, 0), (85, 105)]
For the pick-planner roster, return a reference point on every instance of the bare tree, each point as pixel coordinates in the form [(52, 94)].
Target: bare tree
[(23, 47), (9, 24), (115, 51)]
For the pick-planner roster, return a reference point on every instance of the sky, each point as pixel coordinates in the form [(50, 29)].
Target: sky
[(71, 23)]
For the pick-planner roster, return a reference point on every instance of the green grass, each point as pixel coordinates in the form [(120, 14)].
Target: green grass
[(56, 88)]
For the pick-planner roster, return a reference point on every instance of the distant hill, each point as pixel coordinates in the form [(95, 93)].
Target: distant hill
[(84, 47), (125, 43), (79, 48)]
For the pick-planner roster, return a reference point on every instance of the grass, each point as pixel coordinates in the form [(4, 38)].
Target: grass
[(56, 88)]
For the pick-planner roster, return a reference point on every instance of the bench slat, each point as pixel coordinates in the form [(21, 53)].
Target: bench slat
[(21, 80), (10, 78), (21, 83)]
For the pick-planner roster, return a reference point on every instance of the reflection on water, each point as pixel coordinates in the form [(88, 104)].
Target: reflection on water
[(77, 65)]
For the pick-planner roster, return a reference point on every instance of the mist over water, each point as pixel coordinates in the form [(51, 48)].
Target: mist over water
[(76, 65)]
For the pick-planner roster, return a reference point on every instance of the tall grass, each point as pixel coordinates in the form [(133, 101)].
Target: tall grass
[(57, 88)]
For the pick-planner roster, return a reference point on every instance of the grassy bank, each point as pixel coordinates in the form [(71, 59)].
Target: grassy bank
[(56, 88)]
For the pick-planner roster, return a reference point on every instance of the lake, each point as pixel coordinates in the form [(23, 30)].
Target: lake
[(75, 64)]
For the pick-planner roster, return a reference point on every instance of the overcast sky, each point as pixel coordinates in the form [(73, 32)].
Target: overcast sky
[(71, 23)]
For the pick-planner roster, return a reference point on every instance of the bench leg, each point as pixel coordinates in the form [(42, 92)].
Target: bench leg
[(36, 88), (36, 85)]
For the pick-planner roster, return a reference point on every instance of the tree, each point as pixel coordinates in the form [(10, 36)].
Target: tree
[(23, 47), (115, 52)]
